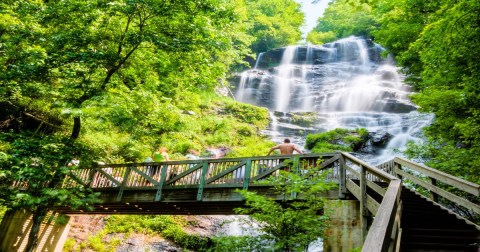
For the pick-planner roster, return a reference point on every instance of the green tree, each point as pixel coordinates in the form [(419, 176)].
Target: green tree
[(31, 169), (298, 219), (437, 44), (74, 59), (82, 50), (274, 23), (343, 18)]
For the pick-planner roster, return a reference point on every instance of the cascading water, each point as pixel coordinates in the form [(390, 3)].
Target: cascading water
[(344, 84)]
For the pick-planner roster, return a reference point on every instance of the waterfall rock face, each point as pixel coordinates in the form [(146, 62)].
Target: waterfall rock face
[(346, 75), (346, 84)]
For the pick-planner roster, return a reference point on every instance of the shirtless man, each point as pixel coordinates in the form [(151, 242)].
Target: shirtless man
[(286, 148)]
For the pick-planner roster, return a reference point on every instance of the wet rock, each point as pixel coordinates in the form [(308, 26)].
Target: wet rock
[(380, 138), (303, 55), (396, 106), (160, 246)]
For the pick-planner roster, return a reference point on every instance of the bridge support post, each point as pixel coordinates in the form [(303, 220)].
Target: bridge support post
[(344, 232), (15, 228)]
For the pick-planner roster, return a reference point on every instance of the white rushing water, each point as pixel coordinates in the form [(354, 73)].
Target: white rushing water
[(346, 84)]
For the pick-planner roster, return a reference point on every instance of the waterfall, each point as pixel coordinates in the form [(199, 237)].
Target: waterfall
[(344, 84), (241, 86), (284, 80), (304, 85), (258, 60)]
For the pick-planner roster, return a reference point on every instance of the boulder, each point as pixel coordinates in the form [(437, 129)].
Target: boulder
[(380, 138)]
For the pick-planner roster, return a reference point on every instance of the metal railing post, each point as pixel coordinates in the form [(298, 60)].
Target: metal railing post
[(296, 161)]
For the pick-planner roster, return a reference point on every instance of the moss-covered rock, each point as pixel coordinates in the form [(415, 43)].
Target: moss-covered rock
[(302, 119), (337, 140)]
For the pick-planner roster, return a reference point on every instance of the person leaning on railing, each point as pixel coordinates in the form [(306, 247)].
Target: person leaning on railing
[(286, 148)]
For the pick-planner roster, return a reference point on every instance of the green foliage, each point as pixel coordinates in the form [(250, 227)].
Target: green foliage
[(248, 113), (319, 38), (122, 78), (69, 245), (169, 227), (288, 224), (38, 160), (136, 72), (98, 242), (3, 210), (337, 139), (449, 158), (439, 50), (237, 244), (358, 249), (343, 18), (275, 23)]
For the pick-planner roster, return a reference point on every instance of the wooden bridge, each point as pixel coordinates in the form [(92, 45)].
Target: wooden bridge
[(394, 215)]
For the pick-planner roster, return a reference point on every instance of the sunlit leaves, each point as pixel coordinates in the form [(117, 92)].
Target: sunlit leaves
[(437, 43), (289, 224), (35, 161), (342, 19), (274, 23)]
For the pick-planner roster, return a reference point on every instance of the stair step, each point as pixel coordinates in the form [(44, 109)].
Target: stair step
[(427, 225), (424, 209), (442, 231), (451, 238), (419, 246), (427, 215)]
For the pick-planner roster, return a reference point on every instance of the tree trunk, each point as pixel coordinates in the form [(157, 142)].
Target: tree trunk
[(37, 219), (77, 124)]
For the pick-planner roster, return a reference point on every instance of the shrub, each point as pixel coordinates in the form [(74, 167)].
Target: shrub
[(337, 140)]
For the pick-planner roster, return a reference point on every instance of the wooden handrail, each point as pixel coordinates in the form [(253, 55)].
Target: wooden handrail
[(461, 184), (385, 231), (380, 233), (371, 169), (435, 176)]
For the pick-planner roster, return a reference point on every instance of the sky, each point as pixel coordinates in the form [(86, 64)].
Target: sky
[(312, 13)]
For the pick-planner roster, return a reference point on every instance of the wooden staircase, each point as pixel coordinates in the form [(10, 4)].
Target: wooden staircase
[(426, 226)]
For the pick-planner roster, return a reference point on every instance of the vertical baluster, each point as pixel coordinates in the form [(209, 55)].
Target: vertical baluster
[(342, 177), (163, 178), (124, 183), (363, 201), (205, 168)]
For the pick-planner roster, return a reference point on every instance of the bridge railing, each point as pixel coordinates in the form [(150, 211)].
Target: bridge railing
[(430, 178), (231, 172)]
